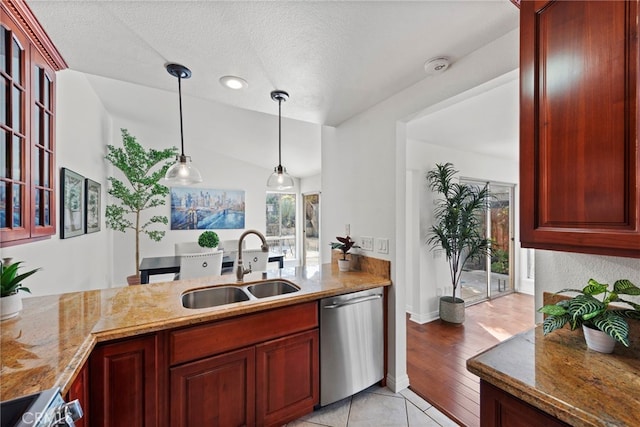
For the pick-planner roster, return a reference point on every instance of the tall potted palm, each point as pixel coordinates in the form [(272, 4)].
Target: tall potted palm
[(456, 230), (143, 170)]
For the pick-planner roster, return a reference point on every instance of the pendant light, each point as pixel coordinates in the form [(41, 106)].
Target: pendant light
[(181, 172), (280, 179)]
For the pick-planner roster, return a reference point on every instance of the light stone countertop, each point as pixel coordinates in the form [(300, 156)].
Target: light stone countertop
[(48, 343), (560, 376)]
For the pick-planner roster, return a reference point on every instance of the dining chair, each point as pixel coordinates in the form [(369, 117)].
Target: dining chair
[(201, 264), (187, 248), (255, 258)]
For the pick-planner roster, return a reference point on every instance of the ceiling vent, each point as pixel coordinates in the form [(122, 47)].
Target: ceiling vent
[(436, 66)]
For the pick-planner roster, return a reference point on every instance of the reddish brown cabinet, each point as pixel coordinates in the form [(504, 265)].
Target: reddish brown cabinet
[(579, 155), (500, 409), (80, 390), (257, 369), (287, 383), (215, 391), (124, 383)]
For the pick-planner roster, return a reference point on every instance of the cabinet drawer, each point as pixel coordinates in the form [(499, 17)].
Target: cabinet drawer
[(206, 340)]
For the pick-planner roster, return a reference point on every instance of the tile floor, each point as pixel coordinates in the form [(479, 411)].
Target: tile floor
[(377, 406)]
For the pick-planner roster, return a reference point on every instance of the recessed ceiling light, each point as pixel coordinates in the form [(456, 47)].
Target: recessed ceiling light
[(233, 82)]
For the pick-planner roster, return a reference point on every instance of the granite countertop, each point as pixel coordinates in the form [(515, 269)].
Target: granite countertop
[(48, 343), (559, 375)]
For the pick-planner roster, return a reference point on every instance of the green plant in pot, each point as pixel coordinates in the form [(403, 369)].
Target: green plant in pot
[(140, 190), (595, 315), (344, 244), (456, 230), (208, 239), (10, 285)]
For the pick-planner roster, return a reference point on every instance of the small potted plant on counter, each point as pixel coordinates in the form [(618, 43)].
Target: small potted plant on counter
[(10, 285), (208, 240), (344, 244), (602, 325)]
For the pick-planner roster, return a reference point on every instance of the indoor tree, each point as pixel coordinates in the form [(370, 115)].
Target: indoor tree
[(457, 228), (140, 190)]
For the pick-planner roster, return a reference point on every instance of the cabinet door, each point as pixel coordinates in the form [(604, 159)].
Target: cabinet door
[(579, 157), (80, 390), (500, 409), (217, 391), (124, 383), (287, 378)]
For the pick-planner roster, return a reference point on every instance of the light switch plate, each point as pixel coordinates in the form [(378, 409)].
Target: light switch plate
[(382, 246), (366, 243)]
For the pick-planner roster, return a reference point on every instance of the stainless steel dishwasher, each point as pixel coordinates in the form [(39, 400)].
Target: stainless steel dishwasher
[(351, 344)]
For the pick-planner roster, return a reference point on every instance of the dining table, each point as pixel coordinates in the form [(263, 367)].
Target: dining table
[(171, 264)]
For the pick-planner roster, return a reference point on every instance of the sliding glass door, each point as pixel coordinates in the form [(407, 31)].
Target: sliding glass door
[(492, 276)]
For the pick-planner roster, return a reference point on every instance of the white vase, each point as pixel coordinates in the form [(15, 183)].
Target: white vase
[(343, 264), (10, 306), (598, 340)]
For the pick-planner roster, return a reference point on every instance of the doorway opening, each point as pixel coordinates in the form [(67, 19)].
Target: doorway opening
[(311, 230)]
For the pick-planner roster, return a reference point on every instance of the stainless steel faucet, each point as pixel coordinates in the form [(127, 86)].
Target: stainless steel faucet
[(240, 270)]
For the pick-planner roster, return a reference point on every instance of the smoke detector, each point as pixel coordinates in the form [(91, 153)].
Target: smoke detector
[(436, 66)]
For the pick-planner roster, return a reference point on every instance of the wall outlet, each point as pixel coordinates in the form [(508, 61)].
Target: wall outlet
[(382, 246), (366, 243), (347, 229)]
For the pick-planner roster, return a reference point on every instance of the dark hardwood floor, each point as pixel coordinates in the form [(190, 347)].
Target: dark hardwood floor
[(437, 353)]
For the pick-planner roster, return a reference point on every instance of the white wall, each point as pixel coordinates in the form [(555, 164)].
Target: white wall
[(430, 278), (83, 128), (364, 173), (559, 270)]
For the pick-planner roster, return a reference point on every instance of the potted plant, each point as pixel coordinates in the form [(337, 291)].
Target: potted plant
[(208, 239), (602, 325), (344, 244), (10, 285), (141, 190), (456, 230)]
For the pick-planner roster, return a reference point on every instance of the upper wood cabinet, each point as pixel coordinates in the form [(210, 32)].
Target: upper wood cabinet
[(579, 153), (28, 62)]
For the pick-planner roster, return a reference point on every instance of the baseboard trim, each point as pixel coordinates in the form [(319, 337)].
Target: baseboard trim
[(396, 385), (421, 319)]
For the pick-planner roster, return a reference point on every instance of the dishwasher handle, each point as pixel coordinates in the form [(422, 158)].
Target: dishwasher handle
[(354, 301)]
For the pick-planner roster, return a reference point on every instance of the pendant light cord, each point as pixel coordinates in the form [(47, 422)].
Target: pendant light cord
[(279, 132), (180, 101)]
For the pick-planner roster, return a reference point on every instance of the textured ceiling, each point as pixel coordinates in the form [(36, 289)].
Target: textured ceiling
[(335, 58)]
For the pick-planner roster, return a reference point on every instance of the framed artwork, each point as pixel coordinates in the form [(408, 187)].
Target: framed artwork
[(72, 219), (92, 206), (198, 209)]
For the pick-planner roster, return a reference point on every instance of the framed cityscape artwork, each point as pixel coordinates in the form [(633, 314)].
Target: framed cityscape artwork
[(198, 208)]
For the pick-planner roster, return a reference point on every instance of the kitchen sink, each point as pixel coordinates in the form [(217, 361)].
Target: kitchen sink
[(211, 297), (272, 288)]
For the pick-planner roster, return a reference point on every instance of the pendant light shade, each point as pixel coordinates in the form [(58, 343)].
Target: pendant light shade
[(182, 172), (280, 179)]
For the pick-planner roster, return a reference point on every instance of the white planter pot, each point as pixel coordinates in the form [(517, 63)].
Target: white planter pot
[(598, 340), (451, 310), (343, 264), (10, 306)]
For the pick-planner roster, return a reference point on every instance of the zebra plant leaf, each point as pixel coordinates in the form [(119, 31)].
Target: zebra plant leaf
[(582, 305), (594, 288), (553, 310), (624, 286), (614, 326), (552, 323)]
